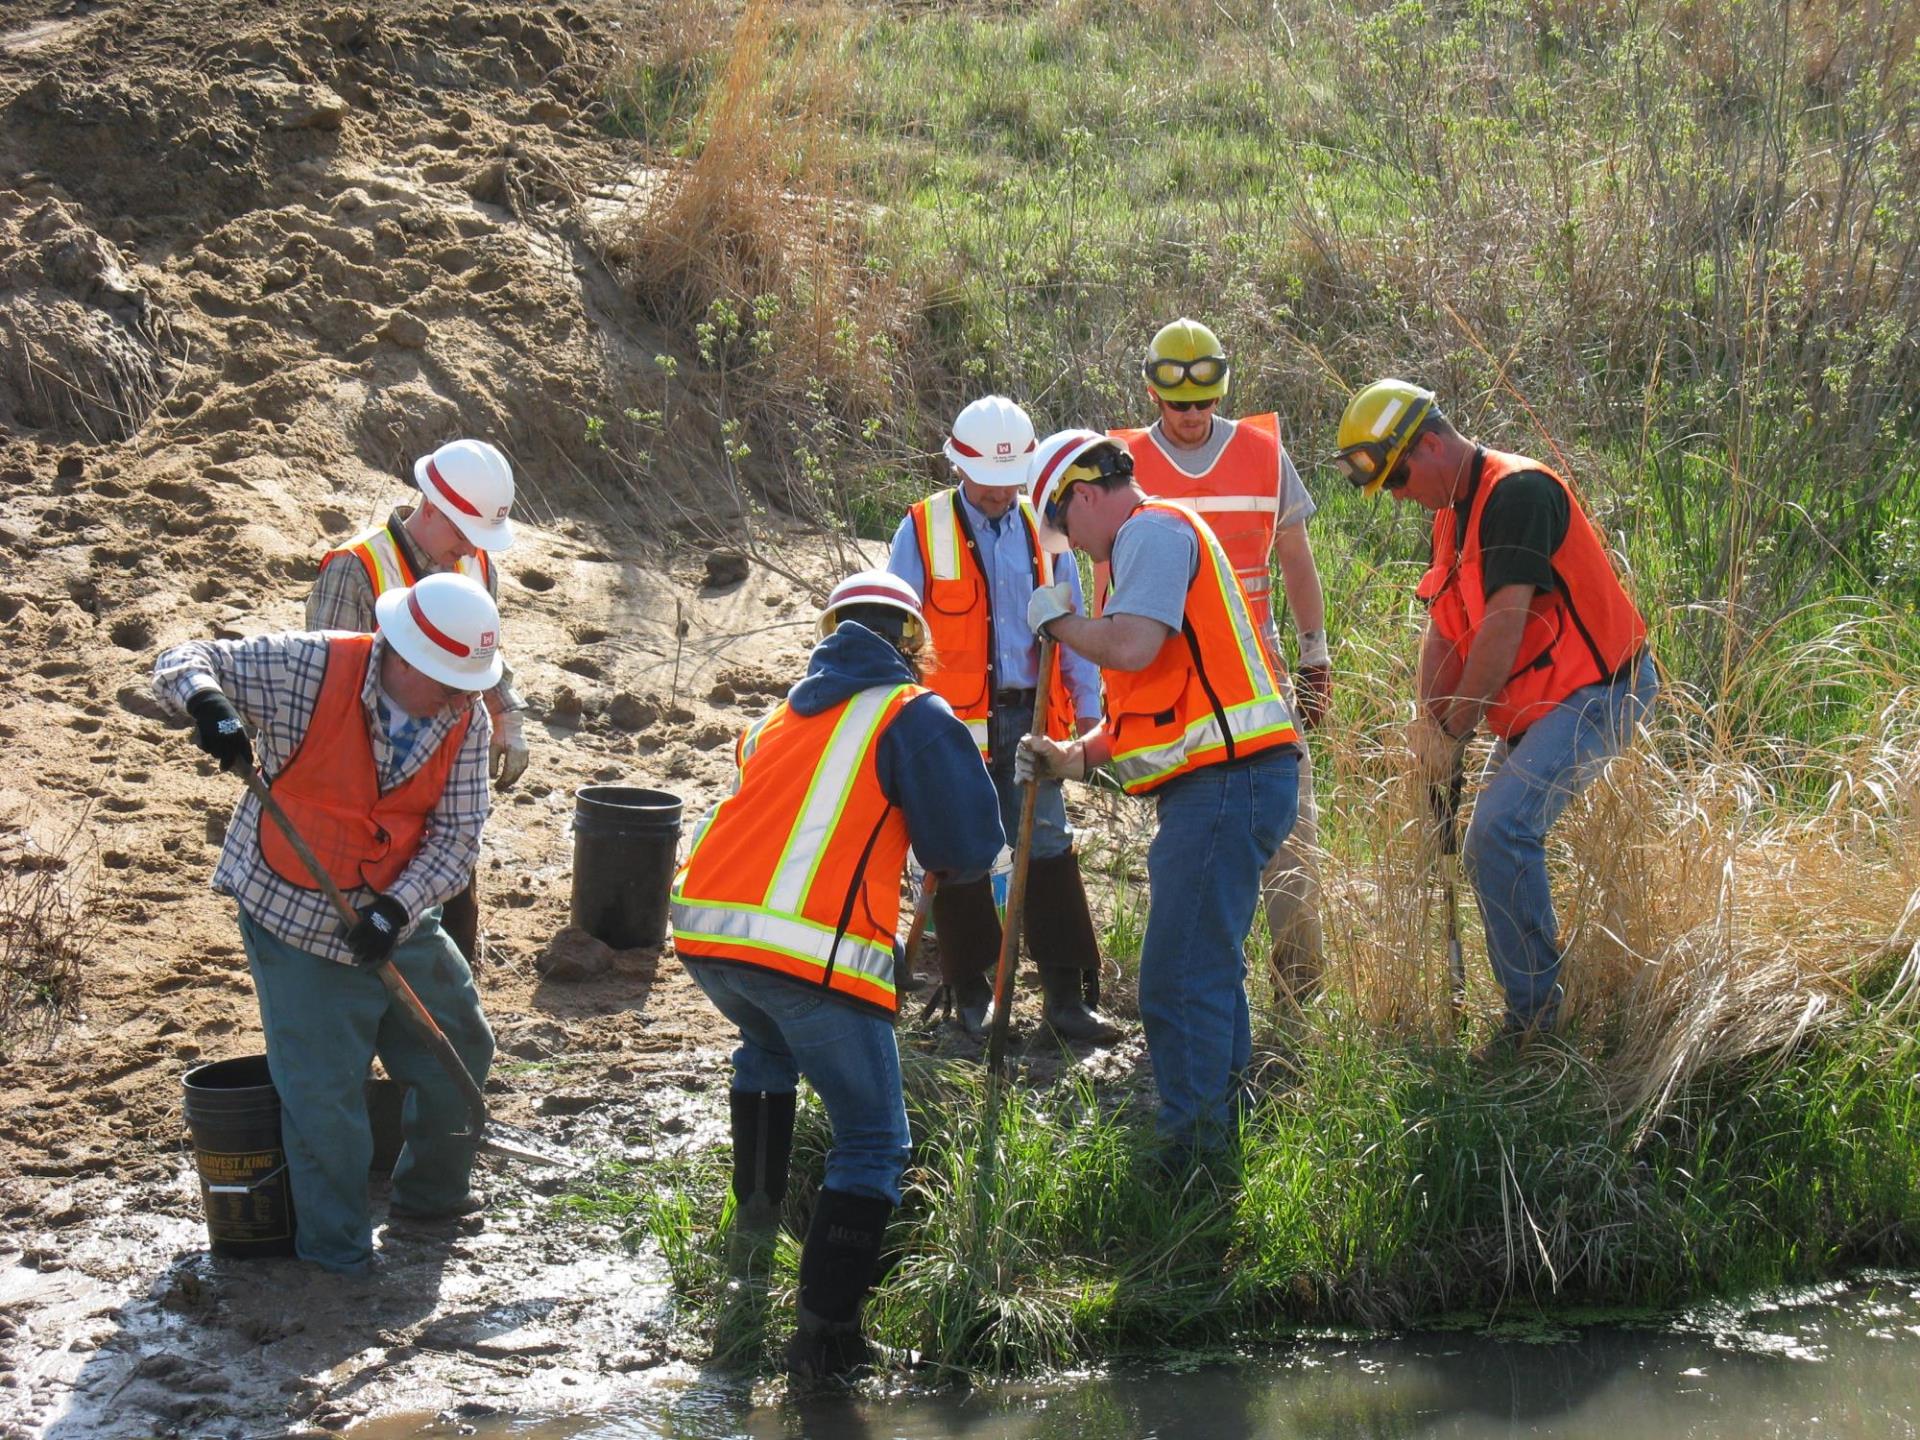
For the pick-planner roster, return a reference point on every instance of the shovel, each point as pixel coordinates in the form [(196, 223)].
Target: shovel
[(1010, 927), (1443, 805), (416, 1014)]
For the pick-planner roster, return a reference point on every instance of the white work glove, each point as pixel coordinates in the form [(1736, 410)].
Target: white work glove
[(507, 752), (1048, 604), (1040, 758)]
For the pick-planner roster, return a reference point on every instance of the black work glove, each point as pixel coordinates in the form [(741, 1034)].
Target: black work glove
[(1313, 688), (373, 939), (219, 731)]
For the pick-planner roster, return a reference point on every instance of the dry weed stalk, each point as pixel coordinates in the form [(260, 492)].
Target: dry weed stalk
[(49, 923)]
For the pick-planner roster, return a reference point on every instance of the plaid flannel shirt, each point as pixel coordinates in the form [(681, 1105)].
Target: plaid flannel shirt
[(274, 682), (342, 598)]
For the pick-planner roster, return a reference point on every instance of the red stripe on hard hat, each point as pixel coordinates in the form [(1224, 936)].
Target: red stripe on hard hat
[(1054, 464), (433, 632), (458, 501), (964, 448)]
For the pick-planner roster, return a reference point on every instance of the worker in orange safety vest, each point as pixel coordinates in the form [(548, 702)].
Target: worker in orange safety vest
[(1239, 478)]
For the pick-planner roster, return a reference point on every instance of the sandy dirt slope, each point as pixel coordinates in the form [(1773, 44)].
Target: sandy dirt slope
[(253, 259)]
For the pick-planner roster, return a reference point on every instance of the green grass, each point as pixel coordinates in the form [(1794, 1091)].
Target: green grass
[(1672, 248), (1380, 1189)]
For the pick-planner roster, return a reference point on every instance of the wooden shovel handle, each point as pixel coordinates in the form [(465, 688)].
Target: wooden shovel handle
[(415, 1012), (1010, 928)]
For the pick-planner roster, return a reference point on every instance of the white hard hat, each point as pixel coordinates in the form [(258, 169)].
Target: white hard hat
[(471, 483), (447, 628), (875, 587), (991, 441), (1060, 452)]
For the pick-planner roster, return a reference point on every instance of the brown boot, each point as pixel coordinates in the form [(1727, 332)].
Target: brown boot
[(967, 928), (1062, 943)]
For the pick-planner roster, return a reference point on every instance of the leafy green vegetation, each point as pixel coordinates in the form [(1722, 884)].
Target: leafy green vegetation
[(1673, 249)]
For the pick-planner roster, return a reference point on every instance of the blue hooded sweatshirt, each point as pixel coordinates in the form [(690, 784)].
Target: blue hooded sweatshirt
[(927, 763)]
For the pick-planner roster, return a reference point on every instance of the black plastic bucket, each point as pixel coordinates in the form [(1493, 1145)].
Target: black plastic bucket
[(625, 840), (233, 1114)]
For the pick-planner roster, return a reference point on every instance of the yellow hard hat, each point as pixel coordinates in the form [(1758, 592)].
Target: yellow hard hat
[(1379, 424), (1185, 361)]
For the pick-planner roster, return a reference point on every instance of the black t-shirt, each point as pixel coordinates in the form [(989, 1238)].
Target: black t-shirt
[(1523, 524)]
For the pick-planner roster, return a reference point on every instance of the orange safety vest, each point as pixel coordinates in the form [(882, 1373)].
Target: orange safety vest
[(798, 871), (380, 555), (1209, 695), (1239, 496), (958, 609), (330, 787), (1581, 632)]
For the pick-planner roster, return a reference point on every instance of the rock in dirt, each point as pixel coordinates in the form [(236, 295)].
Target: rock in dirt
[(406, 330), (726, 567), (632, 712), (573, 954)]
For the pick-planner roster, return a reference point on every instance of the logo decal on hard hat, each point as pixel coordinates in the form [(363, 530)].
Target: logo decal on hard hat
[(1003, 448), (486, 640)]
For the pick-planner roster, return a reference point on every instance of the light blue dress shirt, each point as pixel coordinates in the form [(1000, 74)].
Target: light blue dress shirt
[(1003, 555)]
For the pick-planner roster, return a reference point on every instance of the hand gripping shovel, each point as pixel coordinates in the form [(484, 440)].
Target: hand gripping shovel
[(416, 1014)]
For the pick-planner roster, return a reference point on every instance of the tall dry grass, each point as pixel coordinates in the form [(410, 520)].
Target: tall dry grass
[(1724, 893), (747, 242)]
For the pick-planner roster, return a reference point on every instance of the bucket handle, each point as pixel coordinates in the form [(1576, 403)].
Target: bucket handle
[(247, 1189)]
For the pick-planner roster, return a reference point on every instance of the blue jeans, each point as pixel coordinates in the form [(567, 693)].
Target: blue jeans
[(1526, 787), (1051, 835), (1218, 828), (324, 1023), (847, 1053)]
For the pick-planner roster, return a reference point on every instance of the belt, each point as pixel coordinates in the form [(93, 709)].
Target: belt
[(1013, 699)]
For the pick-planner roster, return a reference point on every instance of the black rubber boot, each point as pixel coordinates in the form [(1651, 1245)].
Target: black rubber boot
[(762, 1152), (1061, 940), (837, 1267), (968, 927)]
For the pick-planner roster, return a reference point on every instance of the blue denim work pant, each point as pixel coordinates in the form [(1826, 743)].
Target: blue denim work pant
[(1218, 827), (1051, 835), (847, 1053), (1526, 787), (324, 1023)]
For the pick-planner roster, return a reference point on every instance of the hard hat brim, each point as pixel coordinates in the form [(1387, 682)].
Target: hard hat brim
[(410, 643), (481, 533), (994, 474)]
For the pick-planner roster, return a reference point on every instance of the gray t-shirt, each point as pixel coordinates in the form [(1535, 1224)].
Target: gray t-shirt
[(1155, 557), (1296, 505)]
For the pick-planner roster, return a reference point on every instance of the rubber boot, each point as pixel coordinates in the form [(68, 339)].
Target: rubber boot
[(968, 928), (762, 1152), (1061, 940), (837, 1266)]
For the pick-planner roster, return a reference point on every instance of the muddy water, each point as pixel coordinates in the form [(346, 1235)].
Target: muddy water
[(1836, 1362)]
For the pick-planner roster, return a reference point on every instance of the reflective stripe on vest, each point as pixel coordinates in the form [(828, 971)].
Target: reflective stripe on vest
[(1238, 495), (1209, 694), (956, 604), (330, 787), (386, 565), (808, 785), (1582, 632)]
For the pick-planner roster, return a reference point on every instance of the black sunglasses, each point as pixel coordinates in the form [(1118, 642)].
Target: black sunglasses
[(1183, 406)]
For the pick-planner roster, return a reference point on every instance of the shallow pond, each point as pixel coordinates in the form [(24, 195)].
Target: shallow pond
[(1840, 1361)]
